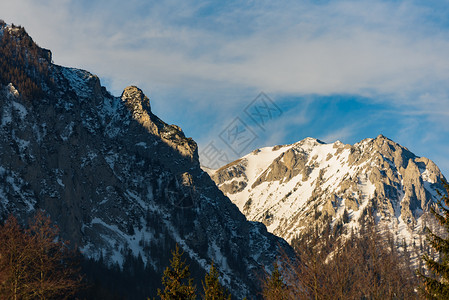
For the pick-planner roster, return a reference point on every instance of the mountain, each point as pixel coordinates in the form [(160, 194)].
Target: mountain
[(293, 187), (119, 182)]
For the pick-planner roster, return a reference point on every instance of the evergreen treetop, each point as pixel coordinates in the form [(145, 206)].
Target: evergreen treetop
[(274, 287), (176, 279), (213, 290), (436, 285)]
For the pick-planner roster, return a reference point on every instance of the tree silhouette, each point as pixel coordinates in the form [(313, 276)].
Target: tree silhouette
[(35, 263), (213, 290), (15, 269), (274, 287), (364, 264)]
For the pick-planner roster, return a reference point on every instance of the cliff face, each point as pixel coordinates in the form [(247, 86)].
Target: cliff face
[(117, 179), (293, 187)]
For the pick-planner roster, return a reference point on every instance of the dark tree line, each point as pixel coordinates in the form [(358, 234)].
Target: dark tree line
[(178, 284)]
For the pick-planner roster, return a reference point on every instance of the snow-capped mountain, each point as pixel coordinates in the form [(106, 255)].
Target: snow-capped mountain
[(292, 187), (115, 178)]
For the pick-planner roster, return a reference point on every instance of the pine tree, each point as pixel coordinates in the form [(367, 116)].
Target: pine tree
[(176, 280), (436, 286), (213, 290), (275, 288)]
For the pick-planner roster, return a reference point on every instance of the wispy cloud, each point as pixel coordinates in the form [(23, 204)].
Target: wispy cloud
[(205, 58), (356, 47)]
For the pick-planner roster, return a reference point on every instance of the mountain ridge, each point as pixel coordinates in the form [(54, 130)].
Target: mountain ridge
[(118, 181), (292, 187)]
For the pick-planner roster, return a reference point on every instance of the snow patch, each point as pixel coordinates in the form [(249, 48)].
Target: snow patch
[(78, 80)]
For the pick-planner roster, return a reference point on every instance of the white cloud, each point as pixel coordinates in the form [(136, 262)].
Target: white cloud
[(215, 56), (356, 47)]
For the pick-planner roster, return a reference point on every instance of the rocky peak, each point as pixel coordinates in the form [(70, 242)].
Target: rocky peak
[(136, 99), (308, 142), (24, 64), (19, 34), (381, 137), (139, 106), (392, 151)]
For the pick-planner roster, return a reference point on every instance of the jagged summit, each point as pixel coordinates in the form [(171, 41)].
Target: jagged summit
[(139, 106), (133, 96), (19, 33), (23, 63), (292, 187)]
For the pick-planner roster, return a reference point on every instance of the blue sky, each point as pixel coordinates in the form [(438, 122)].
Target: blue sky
[(338, 70)]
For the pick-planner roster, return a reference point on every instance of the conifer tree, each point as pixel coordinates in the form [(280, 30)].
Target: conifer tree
[(436, 286), (176, 280), (275, 288), (213, 290)]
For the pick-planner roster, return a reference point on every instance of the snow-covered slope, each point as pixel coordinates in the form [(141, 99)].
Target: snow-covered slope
[(292, 187)]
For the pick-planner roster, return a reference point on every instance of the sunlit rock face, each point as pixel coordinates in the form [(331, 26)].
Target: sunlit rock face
[(291, 188)]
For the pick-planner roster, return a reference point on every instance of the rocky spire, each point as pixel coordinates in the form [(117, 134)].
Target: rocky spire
[(139, 105)]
